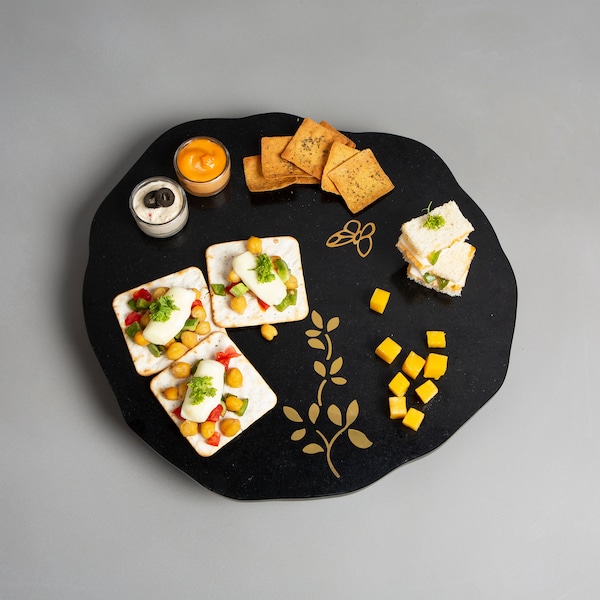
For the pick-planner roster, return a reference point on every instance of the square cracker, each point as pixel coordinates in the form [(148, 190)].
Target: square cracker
[(337, 155), (261, 398), (339, 136), (257, 182), (309, 147), (273, 165), (218, 266), (361, 180), (144, 361)]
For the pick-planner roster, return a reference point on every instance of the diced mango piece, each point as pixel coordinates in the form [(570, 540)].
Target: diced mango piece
[(379, 300), (388, 350), (426, 391), (413, 364), (413, 419), (399, 385), (435, 365), (397, 407), (436, 339)]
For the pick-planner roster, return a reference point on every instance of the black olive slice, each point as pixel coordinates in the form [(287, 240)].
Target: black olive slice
[(150, 200), (165, 197)]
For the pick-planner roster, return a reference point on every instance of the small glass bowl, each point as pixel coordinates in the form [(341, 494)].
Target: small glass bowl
[(204, 188), (159, 221)]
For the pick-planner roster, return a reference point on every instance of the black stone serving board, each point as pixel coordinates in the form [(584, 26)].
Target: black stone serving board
[(313, 443)]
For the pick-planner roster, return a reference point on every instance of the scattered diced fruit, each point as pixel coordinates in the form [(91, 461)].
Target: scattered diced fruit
[(436, 339), (413, 364), (397, 407), (268, 331), (388, 350), (426, 391), (413, 419), (399, 385), (379, 300), (435, 365)]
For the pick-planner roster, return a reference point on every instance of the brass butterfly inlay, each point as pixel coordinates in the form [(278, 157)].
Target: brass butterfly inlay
[(327, 369), (353, 232)]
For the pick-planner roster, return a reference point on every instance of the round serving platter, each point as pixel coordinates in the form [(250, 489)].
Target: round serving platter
[(330, 431)]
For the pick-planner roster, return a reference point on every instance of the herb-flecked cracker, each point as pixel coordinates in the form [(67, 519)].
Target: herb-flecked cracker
[(339, 136), (309, 147), (361, 180), (273, 165), (337, 155)]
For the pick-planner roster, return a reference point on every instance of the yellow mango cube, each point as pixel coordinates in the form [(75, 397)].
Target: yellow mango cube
[(399, 385), (379, 300), (435, 365), (426, 391), (413, 364), (413, 419), (436, 339), (397, 407), (388, 350)]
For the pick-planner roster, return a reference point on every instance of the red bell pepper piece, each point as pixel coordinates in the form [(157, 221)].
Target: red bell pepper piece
[(214, 439), (142, 293), (215, 413), (226, 356), (132, 317)]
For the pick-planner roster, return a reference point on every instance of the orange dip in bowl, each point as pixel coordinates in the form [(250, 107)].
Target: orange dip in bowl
[(203, 166)]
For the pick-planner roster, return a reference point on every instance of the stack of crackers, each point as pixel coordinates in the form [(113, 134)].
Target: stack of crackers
[(318, 154)]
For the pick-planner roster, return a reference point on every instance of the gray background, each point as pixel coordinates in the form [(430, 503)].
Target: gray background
[(507, 93)]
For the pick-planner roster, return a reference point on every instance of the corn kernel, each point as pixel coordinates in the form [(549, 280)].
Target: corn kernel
[(379, 300), (413, 364), (436, 339), (426, 391), (435, 365), (388, 350), (399, 385), (413, 419), (397, 407)]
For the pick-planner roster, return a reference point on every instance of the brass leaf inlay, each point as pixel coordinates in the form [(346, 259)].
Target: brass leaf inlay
[(327, 370)]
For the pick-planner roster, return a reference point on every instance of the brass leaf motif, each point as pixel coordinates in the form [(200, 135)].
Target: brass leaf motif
[(359, 439), (339, 380), (313, 449), (332, 324), (336, 365), (312, 333), (292, 414), (335, 415), (317, 344), (352, 412), (320, 368), (313, 412), (317, 319), (298, 434)]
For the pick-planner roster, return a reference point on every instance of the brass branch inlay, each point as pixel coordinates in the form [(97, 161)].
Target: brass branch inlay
[(353, 232), (320, 339)]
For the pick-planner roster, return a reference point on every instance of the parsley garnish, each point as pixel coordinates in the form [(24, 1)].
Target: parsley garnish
[(264, 268), (200, 388), (433, 221), (161, 309)]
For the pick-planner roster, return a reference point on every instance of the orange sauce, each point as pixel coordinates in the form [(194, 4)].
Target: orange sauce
[(201, 160)]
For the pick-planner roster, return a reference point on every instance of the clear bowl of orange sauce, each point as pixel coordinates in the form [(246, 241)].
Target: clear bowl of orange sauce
[(203, 166)]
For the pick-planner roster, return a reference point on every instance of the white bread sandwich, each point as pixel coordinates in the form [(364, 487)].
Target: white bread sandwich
[(435, 248)]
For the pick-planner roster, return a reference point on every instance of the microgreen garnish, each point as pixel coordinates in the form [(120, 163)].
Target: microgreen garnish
[(200, 388), (433, 221), (264, 268), (161, 309)]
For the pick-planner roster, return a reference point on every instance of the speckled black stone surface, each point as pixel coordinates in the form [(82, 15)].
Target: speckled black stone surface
[(266, 461)]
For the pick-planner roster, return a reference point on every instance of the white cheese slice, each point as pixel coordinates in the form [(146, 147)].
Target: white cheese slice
[(199, 412), (271, 292), (160, 332)]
